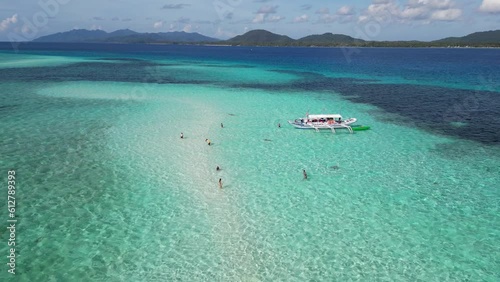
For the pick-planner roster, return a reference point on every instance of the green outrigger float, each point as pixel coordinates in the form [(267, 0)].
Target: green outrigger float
[(359, 127)]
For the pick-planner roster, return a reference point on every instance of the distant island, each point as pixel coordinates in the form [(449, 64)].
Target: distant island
[(264, 38), (124, 36)]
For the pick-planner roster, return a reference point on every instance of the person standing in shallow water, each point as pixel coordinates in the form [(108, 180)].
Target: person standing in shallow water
[(208, 141), (304, 173), (220, 183), (182, 135), (221, 125)]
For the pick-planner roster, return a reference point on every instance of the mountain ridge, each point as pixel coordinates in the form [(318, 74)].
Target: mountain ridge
[(124, 36), (481, 39), (476, 37), (260, 37), (329, 37)]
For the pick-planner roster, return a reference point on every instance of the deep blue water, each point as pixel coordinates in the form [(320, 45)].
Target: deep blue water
[(431, 88)]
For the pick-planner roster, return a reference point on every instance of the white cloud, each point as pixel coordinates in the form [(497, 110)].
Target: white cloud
[(264, 18), (343, 15), (424, 11), (490, 6), (187, 28), (263, 15), (4, 25), (345, 11), (301, 19), (433, 4), (158, 24), (259, 18), (381, 10), (275, 19), (414, 13), (446, 15), (363, 18)]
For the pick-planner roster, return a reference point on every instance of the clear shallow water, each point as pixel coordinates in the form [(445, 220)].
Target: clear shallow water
[(108, 191)]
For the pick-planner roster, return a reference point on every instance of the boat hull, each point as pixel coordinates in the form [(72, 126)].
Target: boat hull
[(321, 125)]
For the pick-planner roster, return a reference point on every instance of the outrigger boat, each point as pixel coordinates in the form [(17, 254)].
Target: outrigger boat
[(326, 121)]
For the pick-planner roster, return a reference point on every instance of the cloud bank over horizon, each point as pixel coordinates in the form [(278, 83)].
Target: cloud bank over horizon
[(367, 19)]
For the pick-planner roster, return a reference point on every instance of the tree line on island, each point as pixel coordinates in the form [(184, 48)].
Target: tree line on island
[(264, 38)]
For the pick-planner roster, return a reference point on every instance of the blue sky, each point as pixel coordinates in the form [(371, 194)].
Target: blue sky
[(366, 19)]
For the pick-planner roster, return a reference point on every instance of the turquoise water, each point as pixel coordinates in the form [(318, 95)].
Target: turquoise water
[(108, 191)]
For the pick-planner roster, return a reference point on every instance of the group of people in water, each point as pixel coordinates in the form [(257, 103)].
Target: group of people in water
[(210, 143), (304, 173)]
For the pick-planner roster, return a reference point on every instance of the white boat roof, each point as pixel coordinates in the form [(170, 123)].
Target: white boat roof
[(324, 116)]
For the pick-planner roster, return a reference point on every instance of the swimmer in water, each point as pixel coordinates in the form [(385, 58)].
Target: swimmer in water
[(304, 173), (220, 183), (182, 135)]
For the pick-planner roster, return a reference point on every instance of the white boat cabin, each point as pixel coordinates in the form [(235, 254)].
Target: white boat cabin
[(324, 118)]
